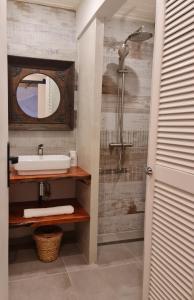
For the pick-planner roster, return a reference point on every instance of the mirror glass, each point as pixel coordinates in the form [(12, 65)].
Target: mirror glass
[(38, 95)]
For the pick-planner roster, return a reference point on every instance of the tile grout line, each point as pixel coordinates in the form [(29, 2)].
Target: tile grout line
[(104, 266), (37, 276)]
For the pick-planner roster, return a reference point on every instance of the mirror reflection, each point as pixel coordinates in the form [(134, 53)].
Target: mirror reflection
[(38, 95)]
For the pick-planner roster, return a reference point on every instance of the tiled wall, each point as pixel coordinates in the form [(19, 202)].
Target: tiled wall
[(122, 195), (41, 32)]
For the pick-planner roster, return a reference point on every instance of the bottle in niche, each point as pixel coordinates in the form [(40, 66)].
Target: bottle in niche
[(73, 156)]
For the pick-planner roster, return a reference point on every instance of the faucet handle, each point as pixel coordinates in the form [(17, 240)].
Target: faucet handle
[(40, 149)]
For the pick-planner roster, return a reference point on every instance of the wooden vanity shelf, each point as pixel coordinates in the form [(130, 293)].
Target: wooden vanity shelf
[(16, 212), (74, 173)]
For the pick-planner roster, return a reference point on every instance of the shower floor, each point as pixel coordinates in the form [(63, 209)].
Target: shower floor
[(116, 276)]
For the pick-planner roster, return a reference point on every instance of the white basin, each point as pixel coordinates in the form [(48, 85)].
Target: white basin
[(42, 164)]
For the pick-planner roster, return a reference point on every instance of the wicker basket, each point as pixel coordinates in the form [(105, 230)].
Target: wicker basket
[(48, 240)]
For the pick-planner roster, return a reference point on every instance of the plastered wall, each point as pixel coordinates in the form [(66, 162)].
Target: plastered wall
[(41, 32)]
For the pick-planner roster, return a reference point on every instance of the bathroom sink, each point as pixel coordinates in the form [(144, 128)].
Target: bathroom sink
[(42, 164)]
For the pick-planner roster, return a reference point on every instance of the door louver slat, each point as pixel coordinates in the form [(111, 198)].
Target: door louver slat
[(178, 28), (172, 260), (175, 104), (177, 73), (180, 40), (177, 110), (177, 79), (180, 20), (179, 286), (177, 98), (178, 148), (169, 282), (188, 119), (180, 65), (172, 4), (175, 11), (165, 248), (183, 83), (160, 289), (174, 50), (179, 142), (170, 242), (173, 268)]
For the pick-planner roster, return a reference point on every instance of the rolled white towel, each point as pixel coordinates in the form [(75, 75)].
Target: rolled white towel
[(49, 211)]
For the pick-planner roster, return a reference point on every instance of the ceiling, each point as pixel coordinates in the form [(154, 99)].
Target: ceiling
[(66, 4), (137, 9)]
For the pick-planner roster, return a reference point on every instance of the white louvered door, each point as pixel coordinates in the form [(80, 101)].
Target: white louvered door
[(169, 223)]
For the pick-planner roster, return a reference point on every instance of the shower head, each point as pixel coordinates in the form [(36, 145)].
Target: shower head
[(139, 35)]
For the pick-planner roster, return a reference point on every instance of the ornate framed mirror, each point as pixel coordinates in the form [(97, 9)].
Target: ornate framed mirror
[(41, 94)]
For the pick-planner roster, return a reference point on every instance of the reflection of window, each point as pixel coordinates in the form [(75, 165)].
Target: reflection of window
[(27, 97), (38, 95)]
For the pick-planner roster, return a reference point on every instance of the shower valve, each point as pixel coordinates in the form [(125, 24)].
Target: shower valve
[(120, 145)]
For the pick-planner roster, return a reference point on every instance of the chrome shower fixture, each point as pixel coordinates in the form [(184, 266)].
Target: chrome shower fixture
[(123, 52), (139, 35)]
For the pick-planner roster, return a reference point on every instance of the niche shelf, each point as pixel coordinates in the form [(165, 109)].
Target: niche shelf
[(17, 208), (81, 204), (16, 212)]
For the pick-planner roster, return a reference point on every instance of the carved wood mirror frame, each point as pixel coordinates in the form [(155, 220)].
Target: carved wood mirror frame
[(62, 72)]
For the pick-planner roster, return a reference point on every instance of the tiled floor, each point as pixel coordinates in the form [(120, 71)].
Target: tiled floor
[(117, 276)]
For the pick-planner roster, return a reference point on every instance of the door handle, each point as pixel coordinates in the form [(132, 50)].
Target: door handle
[(148, 171), (8, 155), (13, 160)]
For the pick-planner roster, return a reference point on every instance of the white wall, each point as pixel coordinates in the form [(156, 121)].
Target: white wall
[(89, 9), (41, 32), (3, 156), (90, 33), (90, 55)]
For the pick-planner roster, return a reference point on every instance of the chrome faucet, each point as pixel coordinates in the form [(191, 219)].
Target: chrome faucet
[(41, 149)]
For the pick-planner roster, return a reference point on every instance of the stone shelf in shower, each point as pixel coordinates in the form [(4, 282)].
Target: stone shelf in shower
[(16, 212), (74, 173)]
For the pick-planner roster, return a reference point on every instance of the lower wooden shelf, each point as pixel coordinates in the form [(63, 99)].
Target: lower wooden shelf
[(16, 212)]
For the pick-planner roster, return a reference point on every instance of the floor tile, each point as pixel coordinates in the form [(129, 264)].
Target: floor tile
[(12, 256), (105, 294), (128, 293), (136, 248), (115, 253), (50, 287), (27, 264), (75, 262), (117, 276), (69, 250), (127, 276), (87, 281), (112, 282)]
